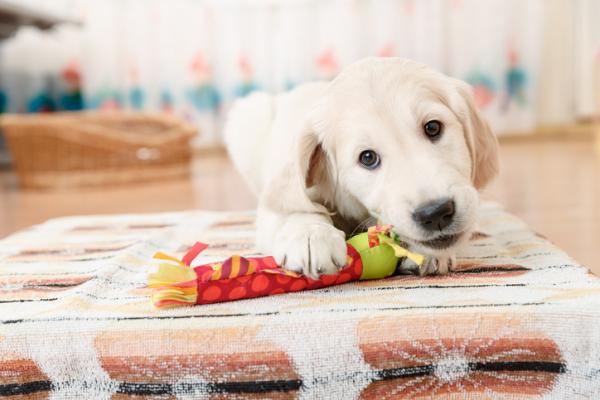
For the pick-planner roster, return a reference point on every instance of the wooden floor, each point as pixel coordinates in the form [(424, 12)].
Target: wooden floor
[(554, 185)]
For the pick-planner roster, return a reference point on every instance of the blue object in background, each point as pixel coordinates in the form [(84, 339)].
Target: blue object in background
[(516, 80), (136, 98), (72, 101), (105, 98), (204, 97), (166, 100), (290, 84), (244, 89), (484, 88), (3, 102), (42, 102)]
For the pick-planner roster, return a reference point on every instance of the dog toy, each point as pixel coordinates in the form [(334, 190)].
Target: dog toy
[(370, 255)]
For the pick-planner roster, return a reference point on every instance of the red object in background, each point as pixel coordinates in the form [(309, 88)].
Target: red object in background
[(71, 73)]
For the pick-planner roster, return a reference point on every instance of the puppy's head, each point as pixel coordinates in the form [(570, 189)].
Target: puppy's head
[(404, 143)]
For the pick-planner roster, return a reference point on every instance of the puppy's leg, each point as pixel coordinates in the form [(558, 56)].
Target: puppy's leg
[(301, 242)]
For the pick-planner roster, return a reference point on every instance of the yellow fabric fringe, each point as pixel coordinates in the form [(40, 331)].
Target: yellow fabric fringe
[(175, 283)]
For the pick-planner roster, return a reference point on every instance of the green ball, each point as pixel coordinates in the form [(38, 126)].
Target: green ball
[(378, 261)]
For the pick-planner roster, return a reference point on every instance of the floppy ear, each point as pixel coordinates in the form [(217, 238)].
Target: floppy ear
[(481, 141), (308, 166)]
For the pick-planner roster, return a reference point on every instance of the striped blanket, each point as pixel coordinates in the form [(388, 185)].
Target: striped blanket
[(517, 319)]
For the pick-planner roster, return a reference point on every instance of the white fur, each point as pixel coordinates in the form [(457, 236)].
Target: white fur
[(379, 104)]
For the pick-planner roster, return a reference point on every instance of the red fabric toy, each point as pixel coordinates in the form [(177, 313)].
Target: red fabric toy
[(370, 255)]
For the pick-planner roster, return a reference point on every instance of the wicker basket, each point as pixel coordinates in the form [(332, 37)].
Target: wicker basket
[(89, 149)]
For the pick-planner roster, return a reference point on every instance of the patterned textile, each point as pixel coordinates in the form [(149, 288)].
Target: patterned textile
[(517, 319)]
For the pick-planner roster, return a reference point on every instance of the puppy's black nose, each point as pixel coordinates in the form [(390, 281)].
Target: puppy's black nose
[(435, 215)]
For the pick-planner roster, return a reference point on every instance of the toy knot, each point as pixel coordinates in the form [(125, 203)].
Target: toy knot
[(383, 234)]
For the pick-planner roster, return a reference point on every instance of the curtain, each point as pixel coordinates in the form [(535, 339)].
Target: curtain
[(194, 57)]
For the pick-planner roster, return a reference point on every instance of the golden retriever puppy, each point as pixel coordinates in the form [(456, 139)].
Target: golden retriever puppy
[(388, 139)]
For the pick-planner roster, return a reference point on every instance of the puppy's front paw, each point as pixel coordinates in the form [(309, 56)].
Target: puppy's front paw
[(311, 248), (439, 266)]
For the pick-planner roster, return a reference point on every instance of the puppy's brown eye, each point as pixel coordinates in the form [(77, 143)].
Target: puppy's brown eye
[(433, 129), (369, 159)]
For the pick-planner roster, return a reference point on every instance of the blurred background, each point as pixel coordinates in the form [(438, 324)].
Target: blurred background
[(156, 78)]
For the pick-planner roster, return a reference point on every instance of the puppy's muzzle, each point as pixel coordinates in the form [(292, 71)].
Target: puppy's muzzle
[(435, 215)]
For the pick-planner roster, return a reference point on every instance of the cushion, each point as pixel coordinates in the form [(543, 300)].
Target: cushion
[(518, 318)]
